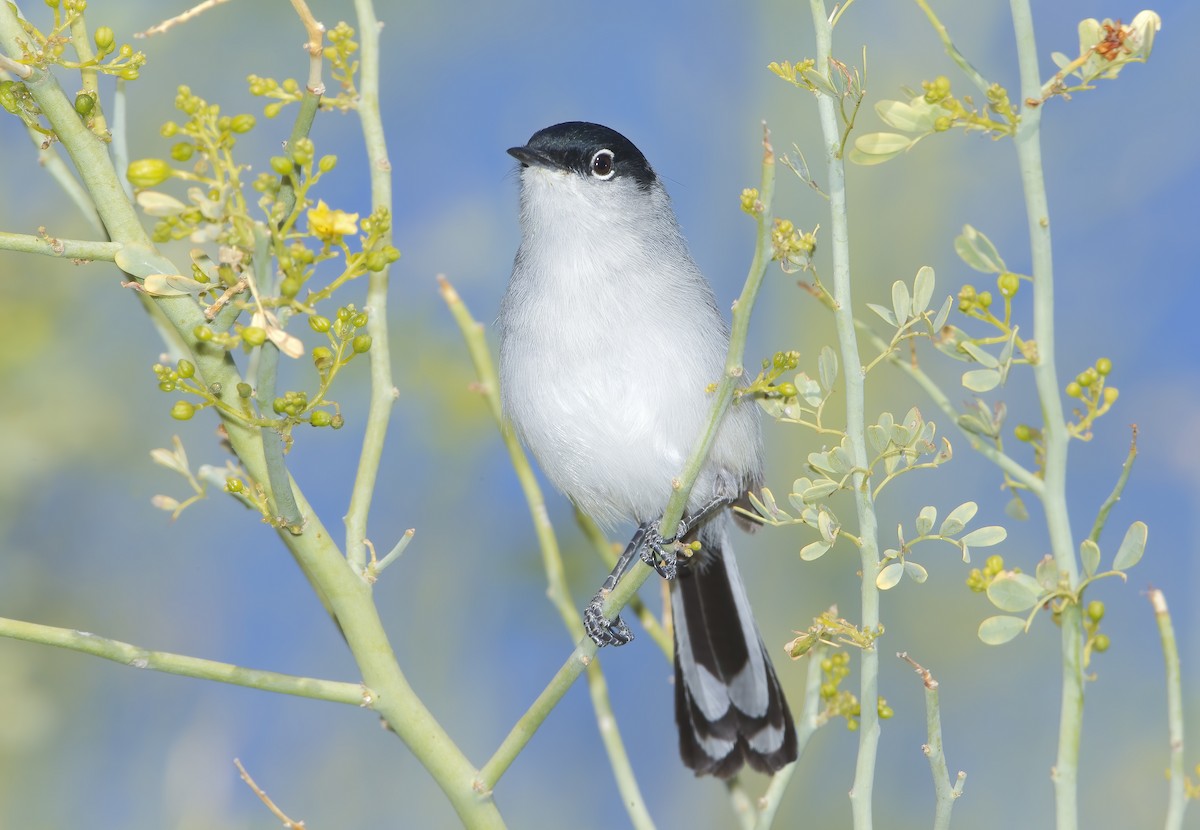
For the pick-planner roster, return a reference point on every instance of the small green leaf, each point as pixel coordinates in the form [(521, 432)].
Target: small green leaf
[(922, 290), (1132, 547), (813, 551), (979, 355), (172, 285), (901, 301), (981, 380), (827, 368), (943, 314), (822, 488), (142, 261), (1014, 592), (876, 148), (889, 576), (159, 204), (995, 631), (985, 537), (977, 251), (878, 436), (1015, 509), (917, 117), (827, 526), (916, 572), (958, 518), (1047, 573), (926, 519), (1089, 552), (886, 313)]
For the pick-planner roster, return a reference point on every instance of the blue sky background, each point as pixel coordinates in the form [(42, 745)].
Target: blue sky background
[(87, 742)]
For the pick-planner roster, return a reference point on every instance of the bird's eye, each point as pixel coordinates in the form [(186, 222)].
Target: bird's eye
[(602, 164)]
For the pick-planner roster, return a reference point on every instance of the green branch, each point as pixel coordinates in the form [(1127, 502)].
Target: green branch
[(1176, 794), (945, 793), (76, 249), (354, 694), (1118, 488), (383, 386), (1054, 428), (868, 737), (952, 50), (585, 649)]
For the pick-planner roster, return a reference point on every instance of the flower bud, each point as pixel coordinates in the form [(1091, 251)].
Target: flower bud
[(182, 411), (148, 172), (254, 335)]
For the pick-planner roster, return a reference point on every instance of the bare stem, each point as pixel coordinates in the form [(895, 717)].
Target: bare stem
[(1176, 795), (354, 694), (944, 792), (77, 249), (1115, 495)]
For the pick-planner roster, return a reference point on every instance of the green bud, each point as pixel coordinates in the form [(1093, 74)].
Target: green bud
[(243, 123), (125, 52), (104, 38), (281, 165), (1095, 610), (1103, 366), (183, 151), (302, 151), (166, 386), (289, 287), (327, 163), (148, 172), (1008, 285), (321, 418), (344, 314), (1110, 395), (338, 422), (254, 335), (244, 390), (994, 564), (321, 356), (169, 129), (84, 103), (234, 485), (279, 405), (985, 298), (1023, 432), (942, 123), (182, 411), (1087, 377), (359, 320), (186, 369), (787, 390), (362, 344), (1074, 390), (376, 261), (129, 73), (318, 323), (1101, 643), (391, 253), (271, 110)]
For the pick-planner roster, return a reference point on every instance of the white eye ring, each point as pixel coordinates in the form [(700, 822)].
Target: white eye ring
[(602, 166)]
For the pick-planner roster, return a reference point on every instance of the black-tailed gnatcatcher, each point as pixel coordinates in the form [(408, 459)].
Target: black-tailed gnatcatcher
[(609, 338)]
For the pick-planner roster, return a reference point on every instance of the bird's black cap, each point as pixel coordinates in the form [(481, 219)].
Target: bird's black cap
[(573, 146)]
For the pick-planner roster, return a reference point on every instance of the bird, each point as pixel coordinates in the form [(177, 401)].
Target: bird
[(610, 337)]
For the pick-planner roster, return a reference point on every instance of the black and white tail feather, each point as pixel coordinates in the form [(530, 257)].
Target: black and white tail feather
[(728, 704)]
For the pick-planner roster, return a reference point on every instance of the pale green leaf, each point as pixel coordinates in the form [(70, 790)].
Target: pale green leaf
[(822, 488), (980, 355), (1132, 547), (926, 519), (1014, 592), (998, 630), (813, 550), (901, 301), (922, 289), (985, 537), (876, 148), (911, 118), (1047, 573), (981, 380), (916, 572), (159, 204), (977, 251), (886, 313), (172, 285), (1089, 552), (943, 314), (889, 576), (827, 367), (142, 261), (958, 518)]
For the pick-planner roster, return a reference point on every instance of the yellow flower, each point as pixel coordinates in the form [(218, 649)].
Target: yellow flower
[(331, 225)]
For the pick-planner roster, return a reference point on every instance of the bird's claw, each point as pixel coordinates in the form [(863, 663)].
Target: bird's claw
[(600, 629)]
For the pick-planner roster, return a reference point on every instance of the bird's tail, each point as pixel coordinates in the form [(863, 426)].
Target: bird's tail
[(728, 704)]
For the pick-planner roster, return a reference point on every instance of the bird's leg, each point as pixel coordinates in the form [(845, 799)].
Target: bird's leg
[(657, 552), (597, 626)]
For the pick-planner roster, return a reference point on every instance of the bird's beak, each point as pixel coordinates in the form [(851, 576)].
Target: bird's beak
[(531, 158)]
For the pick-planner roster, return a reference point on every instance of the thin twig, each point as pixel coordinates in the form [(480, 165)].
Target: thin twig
[(1115, 495), (315, 47), (258, 791), (952, 50), (77, 249), (195, 11)]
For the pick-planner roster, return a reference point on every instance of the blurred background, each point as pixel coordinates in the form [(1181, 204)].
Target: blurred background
[(84, 742)]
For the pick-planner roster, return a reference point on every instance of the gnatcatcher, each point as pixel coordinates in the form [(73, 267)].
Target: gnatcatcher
[(609, 338)]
